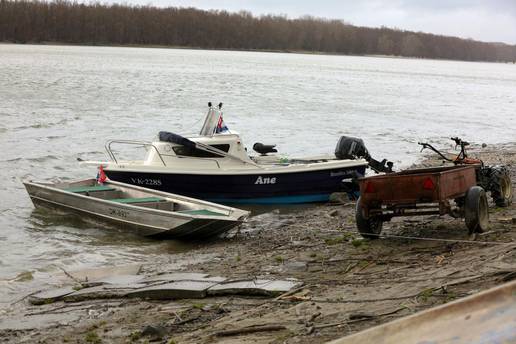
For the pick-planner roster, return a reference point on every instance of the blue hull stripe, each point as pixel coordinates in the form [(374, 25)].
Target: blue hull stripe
[(274, 200)]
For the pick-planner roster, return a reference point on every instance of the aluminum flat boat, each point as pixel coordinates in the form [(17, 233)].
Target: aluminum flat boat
[(144, 211), (215, 166)]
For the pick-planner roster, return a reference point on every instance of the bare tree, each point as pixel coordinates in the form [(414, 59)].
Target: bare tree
[(99, 23)]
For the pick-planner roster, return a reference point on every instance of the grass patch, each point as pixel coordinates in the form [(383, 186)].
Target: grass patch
[(24, 277), (283, 337), (359, 243), (135, 335), (426, 294), (335, 241), (346, 236), (279, 259), (363, 263), (93, 337), (199, 305), (450, 296)]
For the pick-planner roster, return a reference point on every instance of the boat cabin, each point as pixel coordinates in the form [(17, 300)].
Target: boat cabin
[(188, 156)]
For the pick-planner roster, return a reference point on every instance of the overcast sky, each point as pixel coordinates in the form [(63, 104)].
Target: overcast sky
[(485, 20)]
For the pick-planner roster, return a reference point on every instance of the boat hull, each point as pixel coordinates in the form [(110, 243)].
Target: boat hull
[(138, 220), (251, 188)]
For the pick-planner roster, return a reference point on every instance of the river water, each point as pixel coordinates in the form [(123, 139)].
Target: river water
[(58, 103)]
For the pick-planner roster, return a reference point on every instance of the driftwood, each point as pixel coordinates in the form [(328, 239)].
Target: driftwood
[(66, 308), (249, 329), (395, 298), (25, 297), (293, 291), (354, 318), (69, 275), (185, 321)]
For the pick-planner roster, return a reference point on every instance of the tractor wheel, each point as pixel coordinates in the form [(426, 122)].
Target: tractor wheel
[(501, 187), (476, 210), (369, 228)]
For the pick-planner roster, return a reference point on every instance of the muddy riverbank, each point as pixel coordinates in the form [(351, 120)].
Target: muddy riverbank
[(349, 284)]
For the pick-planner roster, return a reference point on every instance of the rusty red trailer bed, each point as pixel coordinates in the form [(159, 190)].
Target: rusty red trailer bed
[(439, 190)]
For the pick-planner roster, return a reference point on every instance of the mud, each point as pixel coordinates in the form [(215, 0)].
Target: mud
[(350, 284)]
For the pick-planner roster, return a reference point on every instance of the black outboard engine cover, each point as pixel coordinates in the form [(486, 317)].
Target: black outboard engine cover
[(264, 149), (351, 148)]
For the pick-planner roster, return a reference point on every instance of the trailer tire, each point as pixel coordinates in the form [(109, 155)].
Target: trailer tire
[(370, 227), (476, 210), (501, 187)]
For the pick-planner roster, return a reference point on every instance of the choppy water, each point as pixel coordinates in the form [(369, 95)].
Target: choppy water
[(58, 103)]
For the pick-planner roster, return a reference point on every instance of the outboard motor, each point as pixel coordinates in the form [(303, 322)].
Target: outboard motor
[(354, 148), (264, 149), (351, 148)]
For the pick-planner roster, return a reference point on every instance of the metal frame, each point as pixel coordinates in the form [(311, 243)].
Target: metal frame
[(405, 202), (111, 155)]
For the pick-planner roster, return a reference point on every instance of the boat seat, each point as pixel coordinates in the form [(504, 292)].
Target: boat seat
[(138, 200), (200, 212), (79, 189)]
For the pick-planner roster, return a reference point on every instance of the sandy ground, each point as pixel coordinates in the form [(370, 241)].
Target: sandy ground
[(350, 284)]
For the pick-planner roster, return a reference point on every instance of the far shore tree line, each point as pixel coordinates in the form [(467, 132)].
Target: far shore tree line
[(63, 21)]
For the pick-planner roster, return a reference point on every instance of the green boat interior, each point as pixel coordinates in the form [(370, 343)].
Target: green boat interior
[(120, 195)]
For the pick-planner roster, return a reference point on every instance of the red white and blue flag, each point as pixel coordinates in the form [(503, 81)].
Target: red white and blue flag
[(221, 126)]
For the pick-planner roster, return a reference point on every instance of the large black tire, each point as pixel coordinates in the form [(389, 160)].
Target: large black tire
[(369, 228), (476, 210), (500, 186)]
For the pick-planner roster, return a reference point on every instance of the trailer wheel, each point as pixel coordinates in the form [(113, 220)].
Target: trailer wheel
[(369, 228), (501, 188), (476, 210)]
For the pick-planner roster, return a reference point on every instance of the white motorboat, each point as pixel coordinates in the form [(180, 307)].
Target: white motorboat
[(215, 166), (133, 208)]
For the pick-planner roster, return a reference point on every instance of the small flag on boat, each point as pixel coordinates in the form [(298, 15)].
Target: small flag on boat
[(101, 176), (221, 126)]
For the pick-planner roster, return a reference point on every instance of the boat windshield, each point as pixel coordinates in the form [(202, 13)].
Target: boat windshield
[(197, 153)]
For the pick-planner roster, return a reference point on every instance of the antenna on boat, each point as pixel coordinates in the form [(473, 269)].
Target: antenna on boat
[(213, 121), (210, 122)]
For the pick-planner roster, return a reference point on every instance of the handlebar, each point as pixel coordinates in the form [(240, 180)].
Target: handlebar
[(459, 142), (429, 146)]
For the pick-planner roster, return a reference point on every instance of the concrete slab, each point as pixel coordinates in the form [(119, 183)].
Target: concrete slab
[(217, 279), (254, 287), (108, 291), (50, 296), (174, 290), (176, 276)]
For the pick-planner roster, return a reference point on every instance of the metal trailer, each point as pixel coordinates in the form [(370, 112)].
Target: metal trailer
[(448, 190)]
